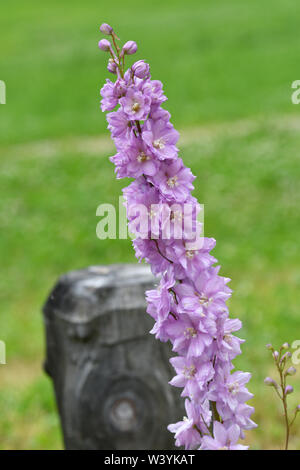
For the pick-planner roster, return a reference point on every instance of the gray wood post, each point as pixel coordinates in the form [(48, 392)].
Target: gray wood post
[(110, 375)]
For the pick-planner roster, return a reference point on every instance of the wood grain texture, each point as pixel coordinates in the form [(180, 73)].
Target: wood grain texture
[(110, 375)]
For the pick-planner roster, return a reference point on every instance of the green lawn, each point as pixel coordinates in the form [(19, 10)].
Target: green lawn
[(227, 68)]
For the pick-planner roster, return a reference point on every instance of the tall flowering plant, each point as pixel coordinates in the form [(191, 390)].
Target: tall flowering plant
[(189, 305)]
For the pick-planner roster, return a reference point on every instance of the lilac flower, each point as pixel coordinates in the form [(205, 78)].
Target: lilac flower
[(140, 159), (118, 124), (147, 250), (179, 220), (109, 101), (161, 137), (230, 389), (188, 433), (120, 161), (224, 439), (135, 105), (192, 375), (158, 113), (174, 181), (160, 299), (240, 416), (189, 336), (155, 90), (134, 160), (206, 294), (140, 195), (195, 261)]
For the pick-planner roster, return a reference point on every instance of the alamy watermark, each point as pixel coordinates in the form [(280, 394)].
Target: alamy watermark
[(296, 353), (2, 352), (2, 92), (153, 221), (295, 97)]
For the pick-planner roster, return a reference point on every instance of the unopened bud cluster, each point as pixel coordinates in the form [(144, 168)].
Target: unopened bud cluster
[(281, 359), (116, 61)]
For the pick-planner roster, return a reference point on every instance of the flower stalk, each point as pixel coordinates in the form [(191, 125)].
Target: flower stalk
[(189, 305), (281, 360)]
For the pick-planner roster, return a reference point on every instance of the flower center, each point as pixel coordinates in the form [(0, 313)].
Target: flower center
[(189, 372), (142, 157), (228, 338), (191, 253), (203, 300), (159, 143), (223, 448), (152, 213), (234, 388), (136, 107), (171, 182), (176, 216), (190, 332)]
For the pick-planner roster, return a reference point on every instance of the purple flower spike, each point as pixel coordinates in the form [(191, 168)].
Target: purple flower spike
[(188, 307)]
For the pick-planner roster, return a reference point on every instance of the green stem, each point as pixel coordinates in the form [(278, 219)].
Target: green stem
[(285, 409)]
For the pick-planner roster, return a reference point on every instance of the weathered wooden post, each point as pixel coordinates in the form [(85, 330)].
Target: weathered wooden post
[(110, 375)]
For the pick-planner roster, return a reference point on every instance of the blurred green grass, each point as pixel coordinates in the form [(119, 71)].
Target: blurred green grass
[(220, 62)]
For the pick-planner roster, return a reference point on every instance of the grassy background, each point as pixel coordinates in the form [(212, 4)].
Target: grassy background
[(227, 69)]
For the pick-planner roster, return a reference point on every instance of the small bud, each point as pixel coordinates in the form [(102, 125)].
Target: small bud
[(276, 355), (270, 382), (106, 28), (269, 346), (297, 409), (104, 45), (288, 389), (285, 346), (130, 47), (291, 371), (141, 69), (286, 356), (112, 67)]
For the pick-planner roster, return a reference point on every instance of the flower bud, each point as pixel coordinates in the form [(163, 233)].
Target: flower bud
[(286, 356), (285, 346), (270, 382), (106, 28), (130, 47), (276, 355), (141, 69), (104, 45), (112, 67), (269, 346), (291, 371), (288, 389), (297, 408)]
